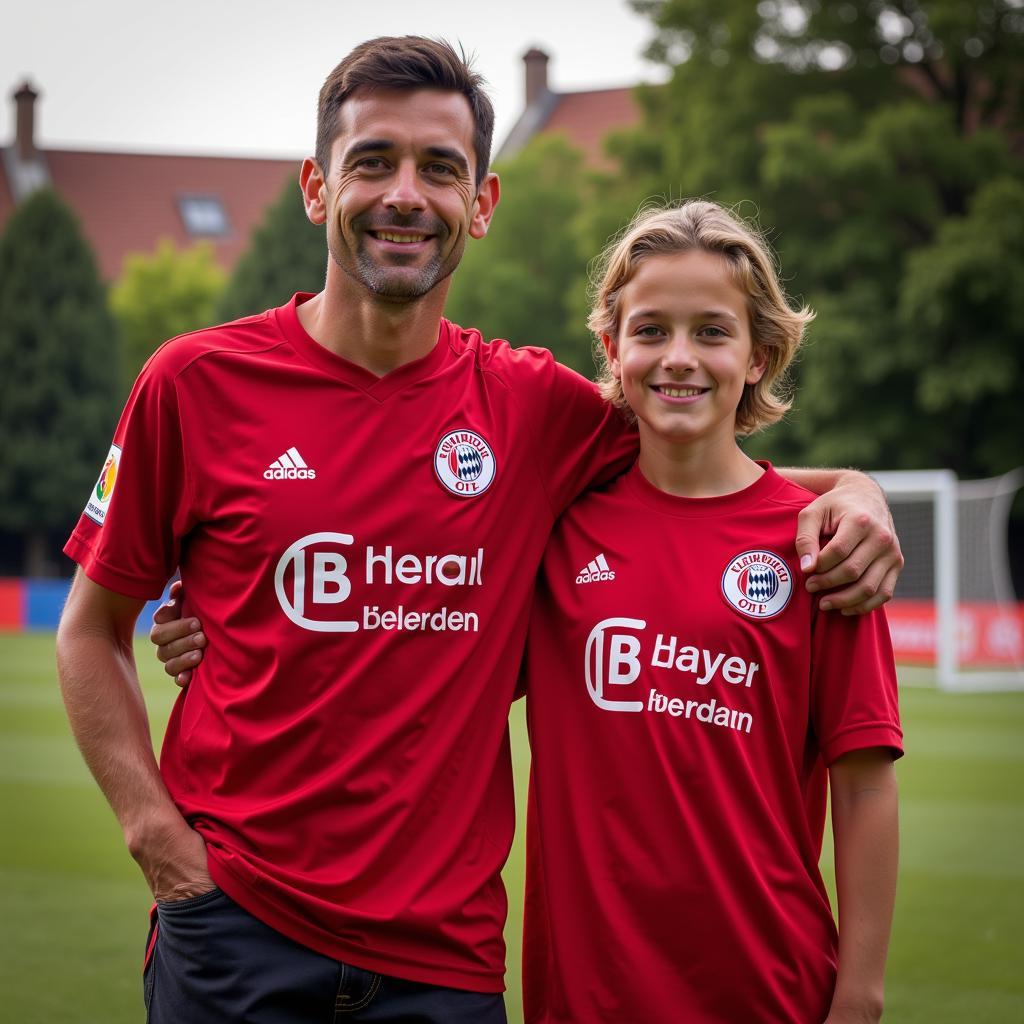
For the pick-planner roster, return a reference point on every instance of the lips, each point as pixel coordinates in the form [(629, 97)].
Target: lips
[(409, 231), (675, 391), (399, 237)]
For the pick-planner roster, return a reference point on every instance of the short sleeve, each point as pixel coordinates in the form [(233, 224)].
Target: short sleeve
[(853, 684), (128, 539), (582, 440)]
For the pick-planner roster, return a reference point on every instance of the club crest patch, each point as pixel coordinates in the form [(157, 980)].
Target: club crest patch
[(464, 463), (99, 501), (758, 584)]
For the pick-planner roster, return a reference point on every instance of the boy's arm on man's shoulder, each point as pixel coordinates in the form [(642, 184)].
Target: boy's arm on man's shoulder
[(861, 554)]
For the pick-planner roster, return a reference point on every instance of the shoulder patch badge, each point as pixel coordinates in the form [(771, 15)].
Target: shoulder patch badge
[(99, 501), (464, 463), (758, 584)]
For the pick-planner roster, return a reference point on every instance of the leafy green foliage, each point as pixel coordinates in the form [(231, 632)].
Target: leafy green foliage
[(287, 254), (161, 295), (962, 310), (526, 280), (59, 350)]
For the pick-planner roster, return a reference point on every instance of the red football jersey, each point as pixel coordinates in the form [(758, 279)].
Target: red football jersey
[(361, 552), (684, 698)]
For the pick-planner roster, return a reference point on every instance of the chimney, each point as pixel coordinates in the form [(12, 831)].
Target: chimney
[(25, 100), (536, 62)]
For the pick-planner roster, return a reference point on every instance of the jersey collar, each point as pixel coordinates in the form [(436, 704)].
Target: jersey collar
[(767, 484), (351, 373)]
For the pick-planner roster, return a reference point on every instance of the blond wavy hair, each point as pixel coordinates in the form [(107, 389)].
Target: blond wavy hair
[(776, 328)]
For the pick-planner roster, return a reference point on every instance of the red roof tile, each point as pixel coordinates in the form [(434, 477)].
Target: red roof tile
[(587, 117), (127, 202)]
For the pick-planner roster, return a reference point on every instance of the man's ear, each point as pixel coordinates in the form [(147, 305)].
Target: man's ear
[(311, 181), (486, 200), (611, 350)]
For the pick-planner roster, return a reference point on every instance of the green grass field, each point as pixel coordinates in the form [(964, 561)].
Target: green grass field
[(73, 912)]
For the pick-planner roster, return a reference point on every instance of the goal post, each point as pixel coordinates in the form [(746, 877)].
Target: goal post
[(954, 606)]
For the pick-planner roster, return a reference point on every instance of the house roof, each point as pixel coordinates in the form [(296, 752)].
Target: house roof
[(127, 202), (585, 118)]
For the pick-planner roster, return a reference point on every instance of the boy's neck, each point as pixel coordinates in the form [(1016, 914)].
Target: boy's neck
[(703, 469)]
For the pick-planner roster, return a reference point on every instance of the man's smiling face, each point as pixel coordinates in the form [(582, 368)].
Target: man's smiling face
[(401, 196)]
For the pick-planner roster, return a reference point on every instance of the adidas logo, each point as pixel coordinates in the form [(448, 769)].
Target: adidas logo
[(595, 570), (289, 466)]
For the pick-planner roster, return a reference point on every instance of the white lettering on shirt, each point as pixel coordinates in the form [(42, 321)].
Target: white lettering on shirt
[(313, 573), (702, 663)]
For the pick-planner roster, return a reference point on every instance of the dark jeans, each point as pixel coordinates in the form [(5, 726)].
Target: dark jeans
[(211, 962)]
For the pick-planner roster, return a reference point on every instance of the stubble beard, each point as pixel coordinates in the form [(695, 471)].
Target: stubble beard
[(395, 283)]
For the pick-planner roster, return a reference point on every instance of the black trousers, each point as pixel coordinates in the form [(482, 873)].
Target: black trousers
[(211, 962)]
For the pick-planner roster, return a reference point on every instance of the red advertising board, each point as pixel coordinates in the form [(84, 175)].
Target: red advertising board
[(11, 604), (987, 634)]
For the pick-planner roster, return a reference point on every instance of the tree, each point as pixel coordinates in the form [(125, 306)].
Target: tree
[(962, 306), (526, 281), (287, 254), (963, 53), (163, 294), (59, 349)]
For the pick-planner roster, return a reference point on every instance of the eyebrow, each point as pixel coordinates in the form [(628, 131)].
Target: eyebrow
[(451, 155), (368, 146), (364, 146), (707, 314)]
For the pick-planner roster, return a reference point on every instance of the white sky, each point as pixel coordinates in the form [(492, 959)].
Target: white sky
[(242, 76)]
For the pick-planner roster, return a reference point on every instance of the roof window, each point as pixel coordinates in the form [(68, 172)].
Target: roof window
[(204, 216)]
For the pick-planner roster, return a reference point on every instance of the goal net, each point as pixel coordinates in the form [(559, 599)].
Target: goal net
[(954, 611)]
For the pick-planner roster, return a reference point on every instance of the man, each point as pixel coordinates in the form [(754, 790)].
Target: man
[(357, 493)]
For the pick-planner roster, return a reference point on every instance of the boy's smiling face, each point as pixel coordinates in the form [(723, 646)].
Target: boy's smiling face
[(684, 349)]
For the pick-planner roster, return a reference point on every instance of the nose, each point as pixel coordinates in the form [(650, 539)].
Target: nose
[(404, 194), (680, 354)]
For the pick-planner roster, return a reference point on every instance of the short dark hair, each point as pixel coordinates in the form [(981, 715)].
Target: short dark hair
[(404, 62)]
